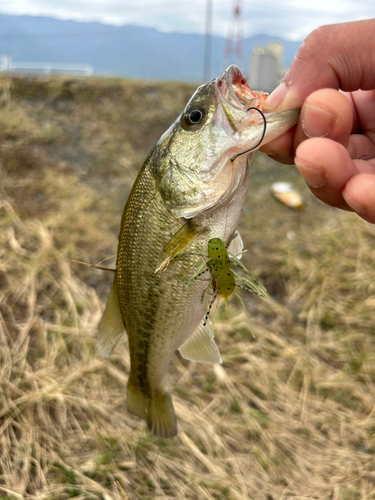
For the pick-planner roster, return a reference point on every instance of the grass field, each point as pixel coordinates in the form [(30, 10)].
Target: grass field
[(289, 414)]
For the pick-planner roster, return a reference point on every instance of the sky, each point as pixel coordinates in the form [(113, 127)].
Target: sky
[(288, 19)]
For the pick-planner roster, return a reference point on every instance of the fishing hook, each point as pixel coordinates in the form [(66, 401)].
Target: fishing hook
[(261, 139)]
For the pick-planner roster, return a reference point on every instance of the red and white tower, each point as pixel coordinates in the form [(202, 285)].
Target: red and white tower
[(234, 42)]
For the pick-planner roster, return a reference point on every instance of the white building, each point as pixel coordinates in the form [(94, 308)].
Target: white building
[(265, 67), (8, 65)]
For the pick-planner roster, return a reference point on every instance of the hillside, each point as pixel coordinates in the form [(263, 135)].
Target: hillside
[(289, 414), (131, 51)]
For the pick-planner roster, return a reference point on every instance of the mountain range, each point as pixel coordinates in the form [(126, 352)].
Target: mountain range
[(126, 51)]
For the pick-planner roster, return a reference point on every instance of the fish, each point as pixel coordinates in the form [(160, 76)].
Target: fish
[(188, 191)]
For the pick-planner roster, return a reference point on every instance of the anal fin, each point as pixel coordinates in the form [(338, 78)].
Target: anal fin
[(111, 327), (200, 346)]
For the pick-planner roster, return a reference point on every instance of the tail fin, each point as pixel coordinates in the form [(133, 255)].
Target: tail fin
[(158, 411)]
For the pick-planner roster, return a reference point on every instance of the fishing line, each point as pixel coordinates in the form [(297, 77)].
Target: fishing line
[(261, 139), (231, 184)]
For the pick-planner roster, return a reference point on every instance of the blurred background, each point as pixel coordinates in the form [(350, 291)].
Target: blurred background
[(166, 40), (86, 89)]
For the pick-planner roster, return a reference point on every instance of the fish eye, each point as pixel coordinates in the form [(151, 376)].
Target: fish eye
[(194, 117)]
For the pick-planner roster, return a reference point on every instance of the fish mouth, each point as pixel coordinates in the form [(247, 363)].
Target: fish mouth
[(233, 88), (237, 99)]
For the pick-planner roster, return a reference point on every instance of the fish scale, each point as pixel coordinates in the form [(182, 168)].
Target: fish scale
[(187, 192), (152, 304)]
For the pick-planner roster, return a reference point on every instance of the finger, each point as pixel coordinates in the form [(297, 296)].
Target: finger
[(325, 113), (365, 167), (364, 104), (359, 194), (331, 57), (361, 147), (281, 149), (326, 167)]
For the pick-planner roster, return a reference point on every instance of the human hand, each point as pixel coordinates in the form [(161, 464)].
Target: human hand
[(333, 145)]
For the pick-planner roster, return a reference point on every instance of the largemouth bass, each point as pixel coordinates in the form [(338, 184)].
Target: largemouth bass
[(187, 192)]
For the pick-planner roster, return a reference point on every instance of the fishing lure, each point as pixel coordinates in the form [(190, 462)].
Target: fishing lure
[(223, 279)]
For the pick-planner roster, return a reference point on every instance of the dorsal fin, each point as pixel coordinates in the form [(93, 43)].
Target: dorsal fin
[(111, 327)]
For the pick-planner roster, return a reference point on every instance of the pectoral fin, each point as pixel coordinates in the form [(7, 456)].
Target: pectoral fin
[(201, 346), (111, 327), (177, 244), (236, 246)]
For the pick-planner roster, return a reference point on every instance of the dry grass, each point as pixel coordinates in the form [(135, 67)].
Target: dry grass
[(289, 415)]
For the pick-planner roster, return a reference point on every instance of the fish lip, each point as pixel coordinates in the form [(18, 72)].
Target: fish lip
[(233, 88)]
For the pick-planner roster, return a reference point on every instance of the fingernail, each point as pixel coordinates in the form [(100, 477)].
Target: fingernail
[(274, 100), (313, 177), (357, 207), (316, 122)]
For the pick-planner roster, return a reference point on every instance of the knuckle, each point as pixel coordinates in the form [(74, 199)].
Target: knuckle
[(314, 43)]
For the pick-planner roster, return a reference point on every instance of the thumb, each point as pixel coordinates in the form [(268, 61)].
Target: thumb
[(337, 56)]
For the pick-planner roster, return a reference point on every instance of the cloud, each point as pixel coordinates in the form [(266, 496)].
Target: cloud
[(287, 19)]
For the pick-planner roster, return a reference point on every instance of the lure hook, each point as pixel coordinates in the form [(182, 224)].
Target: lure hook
[(261, 139)]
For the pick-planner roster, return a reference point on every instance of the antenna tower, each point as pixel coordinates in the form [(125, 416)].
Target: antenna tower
[(207, 42), (234, 42)]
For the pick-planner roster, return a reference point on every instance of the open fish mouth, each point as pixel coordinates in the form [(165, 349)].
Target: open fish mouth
[(233, 88), (236, 99)]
